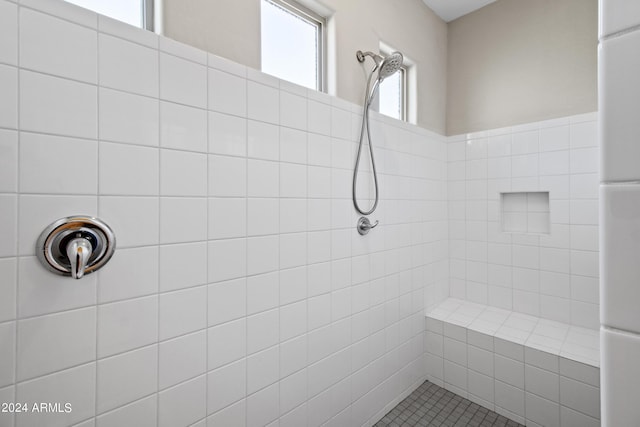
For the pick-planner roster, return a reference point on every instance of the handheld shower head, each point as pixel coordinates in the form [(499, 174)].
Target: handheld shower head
[(386, 66), (390, 65)]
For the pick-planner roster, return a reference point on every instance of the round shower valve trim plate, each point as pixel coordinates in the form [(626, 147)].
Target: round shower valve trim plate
[(75, 246)]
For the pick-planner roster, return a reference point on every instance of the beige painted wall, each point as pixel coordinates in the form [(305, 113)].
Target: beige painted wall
[(228, 28), (519, 61), (231, 28)]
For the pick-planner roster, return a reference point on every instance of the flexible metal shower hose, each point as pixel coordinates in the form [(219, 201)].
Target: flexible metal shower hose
[(365, 125)]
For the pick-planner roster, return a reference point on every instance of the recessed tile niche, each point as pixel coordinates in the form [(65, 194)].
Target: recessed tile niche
[(525, 212)]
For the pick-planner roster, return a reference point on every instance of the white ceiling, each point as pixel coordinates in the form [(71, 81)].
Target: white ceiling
[(449, 10)]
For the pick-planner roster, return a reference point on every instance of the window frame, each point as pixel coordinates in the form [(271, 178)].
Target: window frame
[(148, 15), (404, 71), (320, 22), (405, 93)]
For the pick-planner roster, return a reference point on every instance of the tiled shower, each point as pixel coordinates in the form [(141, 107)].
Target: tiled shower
[(550, 270), (518, 334), (241, 294)]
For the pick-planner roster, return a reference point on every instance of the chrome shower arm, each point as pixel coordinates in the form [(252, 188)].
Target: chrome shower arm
[(360, 55)]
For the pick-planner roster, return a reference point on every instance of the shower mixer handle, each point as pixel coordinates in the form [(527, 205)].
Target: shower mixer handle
[(79, 251), (364, 225)]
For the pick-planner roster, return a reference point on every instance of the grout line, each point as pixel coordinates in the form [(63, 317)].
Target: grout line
[(98, 213), (619, 183), (245, 317), (569, 231), (619, 33), (279, 275), (18, 221), (208, 207), (627, 332), (158, 305)]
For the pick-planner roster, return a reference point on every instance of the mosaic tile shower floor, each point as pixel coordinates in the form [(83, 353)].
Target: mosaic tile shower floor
[(433, 406)]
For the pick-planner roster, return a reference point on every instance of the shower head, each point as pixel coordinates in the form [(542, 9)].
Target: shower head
[(390, 65), (386, 66)]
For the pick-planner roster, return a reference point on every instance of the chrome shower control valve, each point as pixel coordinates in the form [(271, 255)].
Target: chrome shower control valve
[(364, 225), (75, 246)]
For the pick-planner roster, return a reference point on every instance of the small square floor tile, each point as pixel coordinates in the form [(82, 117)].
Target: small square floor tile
[(433, 406)]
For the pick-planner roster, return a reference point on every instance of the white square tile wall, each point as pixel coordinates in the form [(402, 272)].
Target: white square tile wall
[(619, 129), (619, 404), (618, 92), (617, 16), (621, 246), (240, 291), (538, 181)]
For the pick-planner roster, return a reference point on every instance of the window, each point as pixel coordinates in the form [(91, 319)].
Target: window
[(138, 13), (293, 43), (392, 99)]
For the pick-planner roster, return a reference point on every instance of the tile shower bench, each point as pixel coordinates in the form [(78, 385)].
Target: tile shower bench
[(534, 371)]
